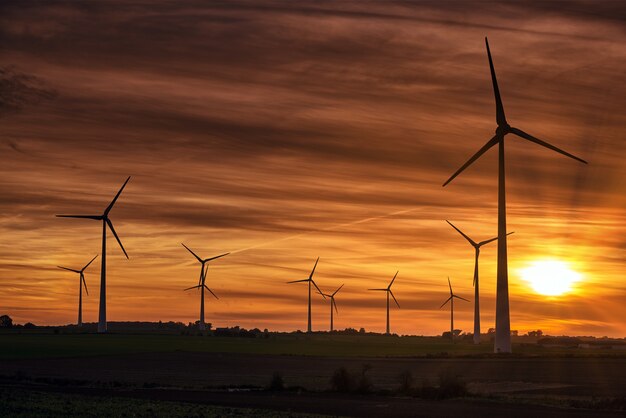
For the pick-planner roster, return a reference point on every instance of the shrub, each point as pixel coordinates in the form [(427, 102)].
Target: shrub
[(276, 382), (342, 381), (406, 382), (364, 384), (451, 386)]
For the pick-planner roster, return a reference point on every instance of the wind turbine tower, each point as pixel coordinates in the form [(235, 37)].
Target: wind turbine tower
[(451, 300), (475, 283), (502, 341), (81, 283), (310, 282), (333, 305), (204, 268), (102, 315), (389, 292)]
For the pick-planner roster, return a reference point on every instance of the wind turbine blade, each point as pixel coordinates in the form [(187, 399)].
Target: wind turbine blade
[(299, 281), (82, 277), (96, 217), (500, 119), (487, 241), (444, 304), (318, 289), (193, 287), (194, 254), (450, 285), (108, 209), (392, 280), (459, 297), (531, 138), (108, 221), (480, 244), (217, 256), (493, 141), (336, 291), (207, 288), (84, 268), (69, 269), (379, 289), (313, 271), (394, 298), (203, 272), (335, 305), (461, 232)]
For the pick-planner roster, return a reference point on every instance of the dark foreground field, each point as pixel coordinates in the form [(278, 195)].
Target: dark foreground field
[(168, 373)]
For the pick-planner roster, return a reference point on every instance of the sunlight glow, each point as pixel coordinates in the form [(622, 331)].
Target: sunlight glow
[(550, 277)]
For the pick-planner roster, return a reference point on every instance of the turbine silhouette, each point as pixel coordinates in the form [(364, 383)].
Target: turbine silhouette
[(475, 283), (201, 283), (310, 281), (451, 300), (81, 283), (389, 292), (102, 316), (502, 341), (333, 304)]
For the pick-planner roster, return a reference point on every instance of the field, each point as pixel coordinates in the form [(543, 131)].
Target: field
[(235, 372)]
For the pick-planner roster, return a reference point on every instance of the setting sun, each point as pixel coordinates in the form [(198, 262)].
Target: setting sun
[(550, 277)]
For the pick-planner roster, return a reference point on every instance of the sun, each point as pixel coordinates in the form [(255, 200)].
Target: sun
[(550, 277)]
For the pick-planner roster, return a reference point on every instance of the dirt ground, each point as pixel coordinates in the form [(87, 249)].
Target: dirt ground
[(564, 376)]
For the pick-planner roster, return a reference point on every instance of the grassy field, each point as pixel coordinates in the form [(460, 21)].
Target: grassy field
[(41, 345), (18, 403)]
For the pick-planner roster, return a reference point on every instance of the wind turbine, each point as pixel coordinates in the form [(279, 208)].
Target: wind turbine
[(389, 292), (451, 300), (310, 280), (201, 285), (502, 341), (102, 316), (81, 283), (476, 246), (333, 304)]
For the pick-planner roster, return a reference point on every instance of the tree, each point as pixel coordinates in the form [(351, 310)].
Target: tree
[(6, 321)]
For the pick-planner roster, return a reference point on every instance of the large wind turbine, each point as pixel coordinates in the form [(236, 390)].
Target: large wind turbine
[(333, 304), (81, 283), (451, 300), (310, 280), (201, 283), (389, 292), (502, 342), (102, 316), (476, 246)]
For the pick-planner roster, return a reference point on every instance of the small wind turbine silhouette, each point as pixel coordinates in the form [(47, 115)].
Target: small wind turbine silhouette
[(451, 300), (102, 316), (201, 283), (389, 292), (333, 304), (81, 283), (310, 281), (475, 283), (502, 341)]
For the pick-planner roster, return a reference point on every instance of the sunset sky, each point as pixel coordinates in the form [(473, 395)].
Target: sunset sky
[(284, 131)]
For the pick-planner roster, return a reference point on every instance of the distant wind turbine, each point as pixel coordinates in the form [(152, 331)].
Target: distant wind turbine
[(389, 292), (451, 300), (333, 304), (201, 283), (102, 317), (502, 341), (310, 281), (475, 283), (81, 283)]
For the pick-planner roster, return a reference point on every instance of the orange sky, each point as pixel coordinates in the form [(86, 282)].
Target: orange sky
[(272, 129)]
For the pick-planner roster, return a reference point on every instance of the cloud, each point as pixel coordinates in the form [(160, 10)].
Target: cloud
[(283, 131)]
